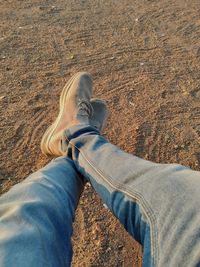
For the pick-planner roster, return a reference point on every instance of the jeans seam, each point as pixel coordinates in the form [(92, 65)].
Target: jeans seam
[(143, 203)]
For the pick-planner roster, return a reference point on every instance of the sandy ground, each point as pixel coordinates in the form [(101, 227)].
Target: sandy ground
[(145, 59)]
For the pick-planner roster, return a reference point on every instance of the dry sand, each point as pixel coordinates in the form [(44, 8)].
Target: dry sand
[(145, 60)]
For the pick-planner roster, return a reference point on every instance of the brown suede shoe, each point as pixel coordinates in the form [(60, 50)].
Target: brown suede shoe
[(75, 109)]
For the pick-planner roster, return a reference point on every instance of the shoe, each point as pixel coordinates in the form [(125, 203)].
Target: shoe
[(100, 114), (75, 109), (98, 121)]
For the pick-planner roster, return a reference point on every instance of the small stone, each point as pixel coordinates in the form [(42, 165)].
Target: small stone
[(131, 103), (183, 146), (2, 97), (176, 146), (120, 246), (185, 93), (105, 206), (167, 137)]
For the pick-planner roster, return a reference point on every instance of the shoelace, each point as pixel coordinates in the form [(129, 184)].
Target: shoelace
[(85, 108)]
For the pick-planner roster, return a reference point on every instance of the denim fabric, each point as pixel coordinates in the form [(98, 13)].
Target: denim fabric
[(158, 204), (36, 217)]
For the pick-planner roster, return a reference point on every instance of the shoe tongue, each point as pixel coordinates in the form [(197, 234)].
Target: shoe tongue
[(85, 108)]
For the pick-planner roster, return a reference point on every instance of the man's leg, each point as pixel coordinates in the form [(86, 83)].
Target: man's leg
[(36, 217), (158, 204)]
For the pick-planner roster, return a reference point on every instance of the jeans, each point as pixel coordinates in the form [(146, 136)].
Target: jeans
[(158, 204)]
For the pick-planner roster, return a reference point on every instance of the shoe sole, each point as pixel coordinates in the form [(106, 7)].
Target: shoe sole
[(51, 129)]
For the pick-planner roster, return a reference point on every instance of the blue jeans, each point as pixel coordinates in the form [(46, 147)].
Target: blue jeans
[(158, 204)]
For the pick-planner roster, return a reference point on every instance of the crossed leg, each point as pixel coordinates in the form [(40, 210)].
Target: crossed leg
[(158, 204)]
